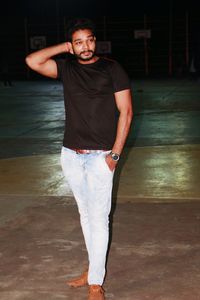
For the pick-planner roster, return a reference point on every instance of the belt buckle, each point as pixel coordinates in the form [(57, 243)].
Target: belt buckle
[(87, 151), (82, 151)]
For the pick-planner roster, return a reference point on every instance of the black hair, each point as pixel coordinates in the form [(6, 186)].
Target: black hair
[(77, 24)]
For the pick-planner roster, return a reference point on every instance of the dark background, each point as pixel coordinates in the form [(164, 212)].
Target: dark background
[(93, 8), (174, 25)]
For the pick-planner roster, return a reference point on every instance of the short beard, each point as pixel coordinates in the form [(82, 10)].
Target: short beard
[(86, 58)]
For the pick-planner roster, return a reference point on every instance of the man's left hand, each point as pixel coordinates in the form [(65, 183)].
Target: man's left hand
[(111, 163)]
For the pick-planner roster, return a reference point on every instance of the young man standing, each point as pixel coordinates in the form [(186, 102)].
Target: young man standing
[(98, 105)]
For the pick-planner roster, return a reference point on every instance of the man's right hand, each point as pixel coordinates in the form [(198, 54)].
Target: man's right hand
[(69, 48)]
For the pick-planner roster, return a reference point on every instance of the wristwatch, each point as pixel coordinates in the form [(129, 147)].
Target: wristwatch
[(114, 156)]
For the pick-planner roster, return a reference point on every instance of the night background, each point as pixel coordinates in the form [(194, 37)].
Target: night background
[(155, 218), (174, 28)]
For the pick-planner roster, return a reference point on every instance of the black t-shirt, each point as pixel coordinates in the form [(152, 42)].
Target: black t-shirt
[(90, 108)]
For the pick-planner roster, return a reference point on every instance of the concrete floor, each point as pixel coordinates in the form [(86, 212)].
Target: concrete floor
[(155, 219)]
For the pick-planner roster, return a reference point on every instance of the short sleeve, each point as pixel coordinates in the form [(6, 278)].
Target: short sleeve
[(120, 78), (60, 64)]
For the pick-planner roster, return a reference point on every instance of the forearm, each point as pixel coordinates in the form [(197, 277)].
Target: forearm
[(41, 61), (123, 127)]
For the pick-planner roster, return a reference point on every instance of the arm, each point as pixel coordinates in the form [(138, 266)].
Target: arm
[(41, 62), (124, 104)]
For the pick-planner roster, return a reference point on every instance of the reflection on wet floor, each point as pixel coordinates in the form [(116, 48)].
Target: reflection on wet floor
[(162, 160), (150, 174), (32, 116), (154, 252)]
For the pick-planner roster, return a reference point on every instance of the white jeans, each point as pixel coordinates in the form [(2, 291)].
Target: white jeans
[(91, 182)]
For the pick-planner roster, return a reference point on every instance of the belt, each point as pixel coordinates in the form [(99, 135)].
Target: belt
[(86, 151)]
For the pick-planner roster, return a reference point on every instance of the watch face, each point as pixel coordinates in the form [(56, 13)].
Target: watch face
[(115, 156)]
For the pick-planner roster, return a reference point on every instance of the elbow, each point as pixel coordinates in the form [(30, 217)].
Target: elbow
[(127, 115), (130, 115), (30, 62), (27, 60)]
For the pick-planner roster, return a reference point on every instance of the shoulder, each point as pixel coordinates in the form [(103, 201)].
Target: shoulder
[(64, 62)]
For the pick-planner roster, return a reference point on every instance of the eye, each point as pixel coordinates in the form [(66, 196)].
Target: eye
[(78, 43)]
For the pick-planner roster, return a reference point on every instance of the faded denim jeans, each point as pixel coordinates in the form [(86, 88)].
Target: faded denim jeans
[(91, 182)]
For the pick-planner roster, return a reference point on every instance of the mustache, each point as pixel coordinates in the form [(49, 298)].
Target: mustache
[(87, 51)]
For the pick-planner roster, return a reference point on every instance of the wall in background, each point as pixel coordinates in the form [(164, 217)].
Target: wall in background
[(168, 51)]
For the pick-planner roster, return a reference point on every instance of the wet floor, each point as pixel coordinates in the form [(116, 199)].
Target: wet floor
[(166, 113), (155, 221)]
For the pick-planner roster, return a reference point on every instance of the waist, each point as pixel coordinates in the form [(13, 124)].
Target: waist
[(87, 151)]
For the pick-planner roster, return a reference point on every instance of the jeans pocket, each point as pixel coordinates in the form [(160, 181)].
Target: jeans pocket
[(105, 163)]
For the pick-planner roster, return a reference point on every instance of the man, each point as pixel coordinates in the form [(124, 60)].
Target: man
[(98, 107)]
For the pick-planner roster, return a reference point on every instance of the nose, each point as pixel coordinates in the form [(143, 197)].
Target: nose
[(85, 45)]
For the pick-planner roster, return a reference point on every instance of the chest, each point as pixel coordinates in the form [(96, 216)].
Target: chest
[(87, 81)]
